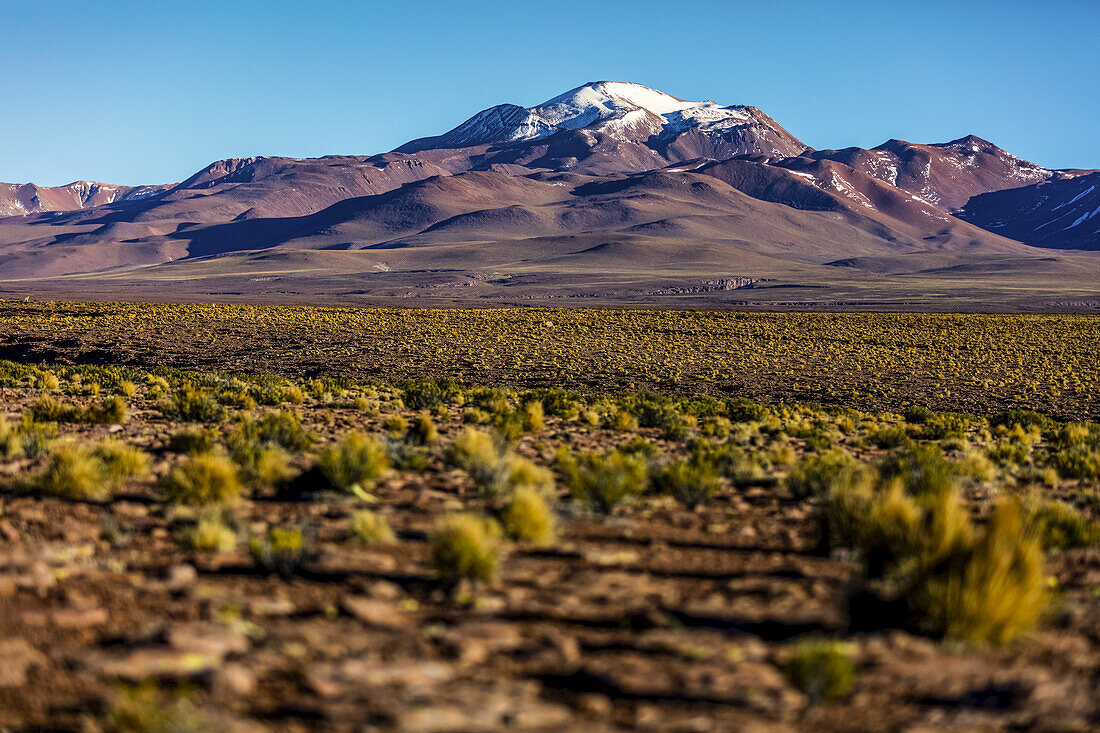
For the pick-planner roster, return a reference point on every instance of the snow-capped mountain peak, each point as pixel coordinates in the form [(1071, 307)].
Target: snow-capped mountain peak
[(618, 110)]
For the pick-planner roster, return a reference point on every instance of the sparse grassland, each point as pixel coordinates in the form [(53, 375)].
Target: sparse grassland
[(546, 519)]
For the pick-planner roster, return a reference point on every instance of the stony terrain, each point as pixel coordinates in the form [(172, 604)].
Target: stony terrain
[(688, 603)]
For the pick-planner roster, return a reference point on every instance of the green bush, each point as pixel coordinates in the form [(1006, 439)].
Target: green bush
[(202, 479), (891, 436), (193, 440), (602, 481), (112, 411), (922, 554), (819, 475), (923, 470), (356, 462), (191, 405), (211, 534), (1062, 527), (1077, 462), (533, 417), (822, 669), (529, 519), (280, 550), (423, 430), (465, 546), (120, 461), (691, 481), (74, 472), (370, 528)]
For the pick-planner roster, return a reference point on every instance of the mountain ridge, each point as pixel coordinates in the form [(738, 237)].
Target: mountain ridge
[(614, 165)]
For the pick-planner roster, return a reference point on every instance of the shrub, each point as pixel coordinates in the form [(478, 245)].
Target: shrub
[(35, 438), (369, 407), (191, 405), (1062, 527), (202, 479), (9, 440), (528, 518), (923, 470), (822, 669), (211, 534), (423, 430), (354, 463), (690, 481), (475, 415), (112, 411), (1008, 452), (603, 480), (395, 425), (370, 528), (893, 436), (990, 591), (623, 420), (141, 709), (533, 417), (48, 408), (1077, 462), (497, 472), (74, 472), (819, 475), (193, 440), (280, 550), (465, 546), (923, 559), (280, 428), (120, 461), (475, 452)]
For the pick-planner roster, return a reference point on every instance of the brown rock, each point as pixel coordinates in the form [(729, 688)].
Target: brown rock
[(180, 577), (376, 612), (18, 658), (235, 679)]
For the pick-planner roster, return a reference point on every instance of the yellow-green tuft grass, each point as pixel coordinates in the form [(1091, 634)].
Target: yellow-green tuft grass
[(691, 481), (923, 554), (211, 534), (533, 417), (602, 481), (355, 462), (465, 547), (112, 411), (395, 425), (201, 480), (195, 439), (476, 452), (818, 475), (73, 472), (192, 405), (122, 462), (989, 592), (822, 669), (423, 431), (529, 519), (370, 528), (281, 549), (1062, 527)]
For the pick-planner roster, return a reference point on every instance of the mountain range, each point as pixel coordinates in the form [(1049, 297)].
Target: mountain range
[(610, 192)]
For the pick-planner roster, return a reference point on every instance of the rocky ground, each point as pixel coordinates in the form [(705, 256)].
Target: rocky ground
[(656, 618)]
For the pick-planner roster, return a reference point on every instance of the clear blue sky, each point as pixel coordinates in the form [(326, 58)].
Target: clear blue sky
[(149, 92)]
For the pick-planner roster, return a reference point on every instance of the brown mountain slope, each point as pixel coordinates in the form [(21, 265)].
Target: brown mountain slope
[(27, 198)]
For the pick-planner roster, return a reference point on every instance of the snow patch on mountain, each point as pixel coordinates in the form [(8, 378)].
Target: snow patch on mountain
[(622, 110)]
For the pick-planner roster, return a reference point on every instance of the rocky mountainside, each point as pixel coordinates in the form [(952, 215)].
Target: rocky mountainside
[(1062, 213), (606, 177), (27, 198)]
